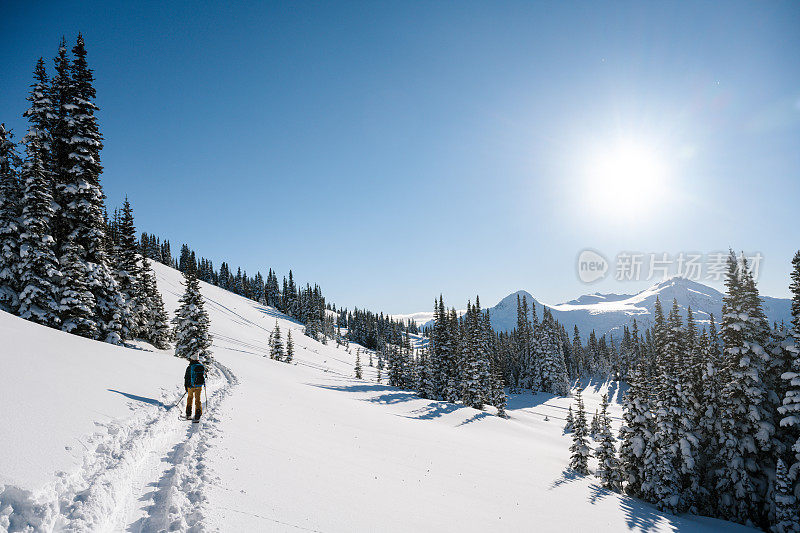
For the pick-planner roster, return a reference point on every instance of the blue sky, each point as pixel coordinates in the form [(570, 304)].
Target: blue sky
[(393, 151)]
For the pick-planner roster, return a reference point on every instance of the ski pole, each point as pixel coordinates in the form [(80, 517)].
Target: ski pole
[(205, 391), (179, 401)]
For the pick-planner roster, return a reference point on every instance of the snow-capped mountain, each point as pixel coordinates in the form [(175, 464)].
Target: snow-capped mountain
[(609, 313)]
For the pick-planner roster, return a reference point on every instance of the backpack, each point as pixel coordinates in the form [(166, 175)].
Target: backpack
[(196, 375)]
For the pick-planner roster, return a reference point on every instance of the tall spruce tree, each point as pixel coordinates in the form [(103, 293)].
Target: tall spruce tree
[(77, 301), (289, 347), (745, 431), (276, 344), (358, 370), (553, 369), (651, 488), (10, 211), (636, 431), (77, 143), (39, 270), (192, 337), (155, 327), (127, 271), (607, 465), (786, 515), (580, 451), (790, 408)]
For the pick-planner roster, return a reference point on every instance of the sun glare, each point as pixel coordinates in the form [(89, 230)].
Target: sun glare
[(625, 179)]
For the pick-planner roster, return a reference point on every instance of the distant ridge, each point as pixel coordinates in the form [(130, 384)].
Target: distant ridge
[(608, 314)]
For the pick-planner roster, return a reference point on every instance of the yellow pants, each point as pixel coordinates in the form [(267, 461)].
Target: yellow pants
[(194, 392)]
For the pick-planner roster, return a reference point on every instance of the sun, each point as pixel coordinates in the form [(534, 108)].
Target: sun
[(625, 179)]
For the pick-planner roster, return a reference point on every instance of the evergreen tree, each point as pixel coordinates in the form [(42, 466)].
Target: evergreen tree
[(77, 301), (667, 435), (746, 431), (569, 426), (38, 267), (636, 431), (191, 322), (786, 516), (579, 460), (498, 395), (289, 347), (76, 167), (359, 374), (553, 369), (577, 353), (607, 466), (276, 344), (594, 427), (709, 428), (475, 359), (10, 211), (790, 408), (155, 327), (127, 272)]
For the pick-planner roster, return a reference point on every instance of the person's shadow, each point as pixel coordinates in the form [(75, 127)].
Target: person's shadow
[(151, 401)]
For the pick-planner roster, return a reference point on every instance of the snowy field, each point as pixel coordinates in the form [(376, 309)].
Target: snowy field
[(87, 444)]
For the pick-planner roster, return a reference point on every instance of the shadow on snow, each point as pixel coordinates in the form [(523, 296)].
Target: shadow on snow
[(390, 395), (151, 401)]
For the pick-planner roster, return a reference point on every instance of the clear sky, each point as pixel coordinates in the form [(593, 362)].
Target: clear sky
[(393, 151)]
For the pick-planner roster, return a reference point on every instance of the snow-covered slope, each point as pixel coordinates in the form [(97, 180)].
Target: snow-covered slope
[(609, 313), (87, 444)]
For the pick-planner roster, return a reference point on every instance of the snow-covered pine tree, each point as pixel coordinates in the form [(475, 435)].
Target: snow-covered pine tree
[(689, 376), (607, 465), (270, 341), (709, 429), (577, 352), (580, 451), (438, 349), (475, 359), (289, 347), (77, 302), (536, 353), (77, 142), (569, 426), (358, 370), (155, 325), (594, 427), (655, 369), (786, 515), (740, 483), (38, 266), (553, 368), (636, 431), (191, 322), (498, 395), (40, 114), (276, 346), (10, 211), (127, 270), (454, 349), (668, 415), (790, 408)]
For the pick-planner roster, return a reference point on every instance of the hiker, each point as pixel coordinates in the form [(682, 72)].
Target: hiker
[(193, 380)]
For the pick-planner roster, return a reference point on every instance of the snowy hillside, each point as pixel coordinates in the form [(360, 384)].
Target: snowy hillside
[(608, 313), (86, 443)]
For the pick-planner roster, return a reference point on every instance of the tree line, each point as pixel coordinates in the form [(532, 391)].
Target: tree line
[(57, 265), (711, 421)]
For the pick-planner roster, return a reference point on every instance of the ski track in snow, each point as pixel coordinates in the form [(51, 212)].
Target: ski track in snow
[(140, 475)]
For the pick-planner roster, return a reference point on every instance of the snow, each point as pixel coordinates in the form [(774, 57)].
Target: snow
[(282, 446)]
